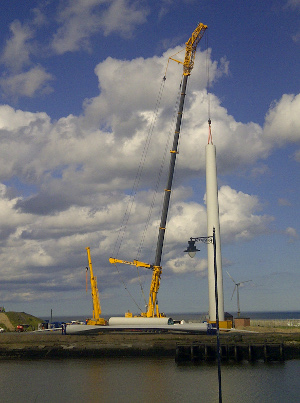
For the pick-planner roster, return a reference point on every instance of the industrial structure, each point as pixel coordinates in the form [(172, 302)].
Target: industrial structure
[(96, 320), (188, 64)]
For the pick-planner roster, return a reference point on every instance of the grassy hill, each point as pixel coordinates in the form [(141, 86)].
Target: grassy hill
[(10, 320)]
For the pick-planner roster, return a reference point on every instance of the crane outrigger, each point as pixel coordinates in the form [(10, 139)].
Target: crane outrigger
[(188, 64)]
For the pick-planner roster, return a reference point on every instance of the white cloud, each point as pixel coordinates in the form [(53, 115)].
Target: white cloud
[(292, 234), (82, 174), (29, 83), (17, 51), (80, 19), (122, 17), (238, 220), (185, 264), (282, 123)]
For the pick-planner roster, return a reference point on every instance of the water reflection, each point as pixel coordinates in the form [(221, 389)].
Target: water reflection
[(146, 380)]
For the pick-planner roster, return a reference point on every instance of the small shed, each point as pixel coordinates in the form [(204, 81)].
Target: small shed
[(241, 322)]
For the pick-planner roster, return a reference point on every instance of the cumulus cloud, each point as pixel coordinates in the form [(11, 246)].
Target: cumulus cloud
[(29, 83), (282, 123), (184, 265), (238, 220), (82, 168), (17, 50), (80, 19), (22, 77)]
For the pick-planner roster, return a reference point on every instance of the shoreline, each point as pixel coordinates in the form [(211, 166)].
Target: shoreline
[(129, 344)]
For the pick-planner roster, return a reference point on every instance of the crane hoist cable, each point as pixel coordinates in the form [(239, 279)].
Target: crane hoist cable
[(153, 201), (136, 184), (152, 309), (125, 286), (159, 175), (138, 176), (155, 192)]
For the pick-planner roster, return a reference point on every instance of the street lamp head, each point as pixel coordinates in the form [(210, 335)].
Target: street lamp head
[(191, 249)]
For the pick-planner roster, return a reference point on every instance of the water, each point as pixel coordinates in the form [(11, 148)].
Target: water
[(146, 380)]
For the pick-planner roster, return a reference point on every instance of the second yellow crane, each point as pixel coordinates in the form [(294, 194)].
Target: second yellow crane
[(96, 320)]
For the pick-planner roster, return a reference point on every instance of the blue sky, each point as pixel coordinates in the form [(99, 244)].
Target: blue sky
[(79, 82)]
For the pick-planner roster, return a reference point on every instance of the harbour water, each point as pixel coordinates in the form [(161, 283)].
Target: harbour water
[(146, 380)]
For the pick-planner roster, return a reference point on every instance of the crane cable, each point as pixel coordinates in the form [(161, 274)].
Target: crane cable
[(137, 180), (159, 175), (136, 184), (125, 286), (160, 171)]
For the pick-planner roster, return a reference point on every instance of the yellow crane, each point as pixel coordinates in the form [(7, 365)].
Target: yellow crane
[(188, 64), (152, 308), (95, 296)]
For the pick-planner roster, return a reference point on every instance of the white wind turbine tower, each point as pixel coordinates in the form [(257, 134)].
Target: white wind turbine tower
[(236, 287)]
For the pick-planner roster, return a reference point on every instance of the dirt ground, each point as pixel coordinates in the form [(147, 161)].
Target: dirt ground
[(268, 329), (143, 341), (4, 319)]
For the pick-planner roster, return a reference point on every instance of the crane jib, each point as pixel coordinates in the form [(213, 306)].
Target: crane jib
[(188, 64)]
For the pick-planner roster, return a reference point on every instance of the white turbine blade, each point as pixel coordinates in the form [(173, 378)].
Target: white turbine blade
[(233, 291), (230, 277)]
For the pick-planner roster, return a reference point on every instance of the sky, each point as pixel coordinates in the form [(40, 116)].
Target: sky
[(86, 125)]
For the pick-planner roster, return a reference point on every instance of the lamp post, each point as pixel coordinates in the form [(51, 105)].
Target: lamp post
[(191, 250)]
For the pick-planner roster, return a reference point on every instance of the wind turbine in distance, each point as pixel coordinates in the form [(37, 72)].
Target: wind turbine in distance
[(236, 287)]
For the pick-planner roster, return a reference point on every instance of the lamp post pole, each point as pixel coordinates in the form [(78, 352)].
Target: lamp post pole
[(217, 317), (191, 251)]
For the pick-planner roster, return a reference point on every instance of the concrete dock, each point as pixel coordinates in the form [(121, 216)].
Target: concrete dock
[(55, 345)]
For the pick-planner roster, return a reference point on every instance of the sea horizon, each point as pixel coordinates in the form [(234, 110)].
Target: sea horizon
[(188, 316)]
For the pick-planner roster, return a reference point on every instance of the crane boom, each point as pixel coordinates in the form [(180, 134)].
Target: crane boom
[(190, 49), (152, 309), (95, 296), (136, 263), (188, 64)]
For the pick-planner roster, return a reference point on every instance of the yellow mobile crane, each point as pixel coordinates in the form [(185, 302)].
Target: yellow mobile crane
[(188, 64), (95, 297), (152, 310)]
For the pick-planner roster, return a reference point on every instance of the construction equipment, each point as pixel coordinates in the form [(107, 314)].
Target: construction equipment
[(152, 308), (95, 297), (188, 64)]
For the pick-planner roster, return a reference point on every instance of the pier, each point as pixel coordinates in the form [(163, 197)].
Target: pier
[(251, 346), (230, 352)]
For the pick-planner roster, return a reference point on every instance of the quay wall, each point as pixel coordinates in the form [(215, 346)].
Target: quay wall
[(275, 323), (39, 346)]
